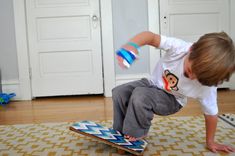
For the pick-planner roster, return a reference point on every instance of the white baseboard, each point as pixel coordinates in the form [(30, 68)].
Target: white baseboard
[(12, 86), (121, 79)]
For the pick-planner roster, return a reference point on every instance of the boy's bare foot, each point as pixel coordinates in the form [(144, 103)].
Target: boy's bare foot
[(131, 138)]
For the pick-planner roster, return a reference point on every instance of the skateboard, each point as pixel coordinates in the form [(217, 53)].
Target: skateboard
[(109, 136)]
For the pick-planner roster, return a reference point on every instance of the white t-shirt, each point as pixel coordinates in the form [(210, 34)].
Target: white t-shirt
[(169, 76)]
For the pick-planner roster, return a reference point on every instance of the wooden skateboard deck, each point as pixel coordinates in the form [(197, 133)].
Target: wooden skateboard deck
[(109, 136)]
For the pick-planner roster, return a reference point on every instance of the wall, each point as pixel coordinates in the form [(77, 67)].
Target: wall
[(232, 19), (232, 34), (8, 56), (129, 18)]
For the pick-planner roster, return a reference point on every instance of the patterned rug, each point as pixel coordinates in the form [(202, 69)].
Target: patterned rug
[(180, 136)]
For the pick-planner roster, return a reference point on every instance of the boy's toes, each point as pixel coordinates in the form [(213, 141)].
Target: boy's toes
[(126, 136), (130, 138)]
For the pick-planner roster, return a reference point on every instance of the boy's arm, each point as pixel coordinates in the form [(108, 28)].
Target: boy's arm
[(146, 38), (211, 124), (141, 39)]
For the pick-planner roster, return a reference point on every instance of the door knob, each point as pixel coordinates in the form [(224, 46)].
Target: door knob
[(95, 18)]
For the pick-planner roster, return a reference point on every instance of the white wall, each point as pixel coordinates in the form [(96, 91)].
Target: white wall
[(232, 33), (129, 18), (8, 57), (232, 19)]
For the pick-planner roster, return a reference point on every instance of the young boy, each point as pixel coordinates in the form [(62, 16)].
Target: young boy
[(186, 70)]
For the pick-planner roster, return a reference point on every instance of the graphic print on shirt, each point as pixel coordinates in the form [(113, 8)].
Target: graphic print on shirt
[(170, 81)]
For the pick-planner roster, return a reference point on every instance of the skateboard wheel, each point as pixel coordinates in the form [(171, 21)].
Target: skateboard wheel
[(121, 151)]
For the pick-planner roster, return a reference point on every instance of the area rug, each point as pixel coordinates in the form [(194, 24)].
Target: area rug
[(179, 136)]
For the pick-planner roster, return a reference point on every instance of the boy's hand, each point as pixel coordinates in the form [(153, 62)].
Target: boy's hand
[(128, 48), (120, 62), (215, 147)]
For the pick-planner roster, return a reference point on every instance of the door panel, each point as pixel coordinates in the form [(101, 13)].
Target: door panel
[(189, 19), (71, 62), (63, 3), (53, 28), (188, 33), (64, 47)]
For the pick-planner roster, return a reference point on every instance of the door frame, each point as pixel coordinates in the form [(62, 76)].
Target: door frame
[(23, 51), (154, 26)]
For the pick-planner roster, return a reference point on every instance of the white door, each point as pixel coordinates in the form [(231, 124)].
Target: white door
[(189, 19), (64, 47)]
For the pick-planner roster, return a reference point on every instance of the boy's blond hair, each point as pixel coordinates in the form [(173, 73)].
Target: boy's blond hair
[(213, 58)]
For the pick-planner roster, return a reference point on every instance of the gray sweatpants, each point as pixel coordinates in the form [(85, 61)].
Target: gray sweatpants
[(135, 104)]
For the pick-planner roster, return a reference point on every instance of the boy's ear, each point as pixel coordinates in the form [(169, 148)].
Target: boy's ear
[(190, 49)]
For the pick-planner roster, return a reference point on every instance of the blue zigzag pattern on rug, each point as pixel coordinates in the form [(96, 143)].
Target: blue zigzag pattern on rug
[(109, 134)]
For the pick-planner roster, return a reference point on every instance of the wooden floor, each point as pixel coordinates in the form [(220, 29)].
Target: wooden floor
[(75, 108)]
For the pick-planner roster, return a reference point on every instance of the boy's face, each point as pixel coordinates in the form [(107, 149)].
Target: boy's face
[(187, 69)]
